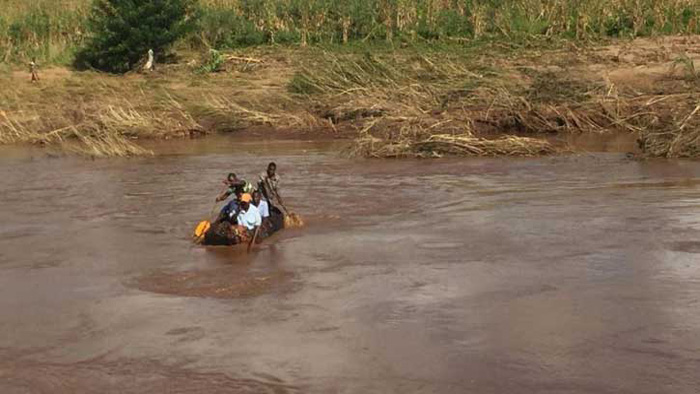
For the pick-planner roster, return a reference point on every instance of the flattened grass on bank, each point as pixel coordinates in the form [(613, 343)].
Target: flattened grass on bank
[(421, 100), (679, 136), (438, 145), (96, 115), (407, 103)]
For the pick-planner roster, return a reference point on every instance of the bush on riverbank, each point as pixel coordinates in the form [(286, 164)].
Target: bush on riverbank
[(121, 32)]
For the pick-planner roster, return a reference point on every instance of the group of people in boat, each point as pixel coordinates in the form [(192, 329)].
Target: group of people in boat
[(254, 212)]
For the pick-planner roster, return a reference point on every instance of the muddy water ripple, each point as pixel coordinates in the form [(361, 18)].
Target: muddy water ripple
[(577, 274)]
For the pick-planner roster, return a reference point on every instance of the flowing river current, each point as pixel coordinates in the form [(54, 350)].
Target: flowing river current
[(568, 274)]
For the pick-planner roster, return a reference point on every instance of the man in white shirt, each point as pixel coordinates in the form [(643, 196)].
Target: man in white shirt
[(249, 216), (262, 205)]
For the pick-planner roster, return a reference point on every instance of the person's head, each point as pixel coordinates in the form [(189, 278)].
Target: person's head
[(232, 178), (257, 197), (245, 201), (271, 169)]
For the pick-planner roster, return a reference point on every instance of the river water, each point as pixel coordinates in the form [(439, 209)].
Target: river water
[(572, 274)]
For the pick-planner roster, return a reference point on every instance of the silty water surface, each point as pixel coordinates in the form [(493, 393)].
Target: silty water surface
[(575, 274)]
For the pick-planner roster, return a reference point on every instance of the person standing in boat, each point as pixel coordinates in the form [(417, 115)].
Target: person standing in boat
[(268, 185)]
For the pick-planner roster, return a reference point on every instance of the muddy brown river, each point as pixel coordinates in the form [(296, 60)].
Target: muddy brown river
[(573, 274)]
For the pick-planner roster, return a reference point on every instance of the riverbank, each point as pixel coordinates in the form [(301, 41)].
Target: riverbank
[(478, 98)]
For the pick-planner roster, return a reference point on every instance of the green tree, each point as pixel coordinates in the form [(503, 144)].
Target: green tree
[(122, 31)]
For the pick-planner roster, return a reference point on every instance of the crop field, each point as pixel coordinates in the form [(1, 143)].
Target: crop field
[(50, 30)]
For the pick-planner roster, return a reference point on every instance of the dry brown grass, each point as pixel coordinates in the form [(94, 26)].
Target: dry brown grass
[(434, 105), (107, 115), (398, 103), (89, 114), (89, 141), (439, 145), (240, 114), (389, 137), (680, 135), (426, 105)]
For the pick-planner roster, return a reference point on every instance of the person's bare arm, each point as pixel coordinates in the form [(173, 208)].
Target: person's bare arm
[(224, 195)]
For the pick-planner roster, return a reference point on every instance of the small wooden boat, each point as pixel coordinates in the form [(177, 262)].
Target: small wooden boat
[(222, 233)]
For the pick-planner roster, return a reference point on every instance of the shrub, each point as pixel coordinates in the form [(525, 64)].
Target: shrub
[(122, 31), (214, 62)]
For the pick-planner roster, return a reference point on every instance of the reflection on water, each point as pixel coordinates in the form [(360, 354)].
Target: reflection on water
[(573, 274)]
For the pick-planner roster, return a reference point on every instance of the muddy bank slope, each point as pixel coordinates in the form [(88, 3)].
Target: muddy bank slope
[(474, 99)]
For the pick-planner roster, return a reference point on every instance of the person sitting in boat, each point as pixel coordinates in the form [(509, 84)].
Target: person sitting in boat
[(268, 185), (269, 224), (236, 187), (248, 217), (262, 206), (230, 210)]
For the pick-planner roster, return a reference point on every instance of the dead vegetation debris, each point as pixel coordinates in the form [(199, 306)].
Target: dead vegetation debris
[(403, 102), (431, 105)]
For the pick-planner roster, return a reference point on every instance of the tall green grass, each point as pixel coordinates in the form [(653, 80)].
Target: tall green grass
[(250, 22), (51, 29), (48, 30)]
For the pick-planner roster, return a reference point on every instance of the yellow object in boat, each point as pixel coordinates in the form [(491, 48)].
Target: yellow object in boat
[(201, 229)]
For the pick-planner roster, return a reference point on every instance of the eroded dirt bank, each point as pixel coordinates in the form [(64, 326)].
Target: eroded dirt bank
[(488, 275), (478, 99)]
